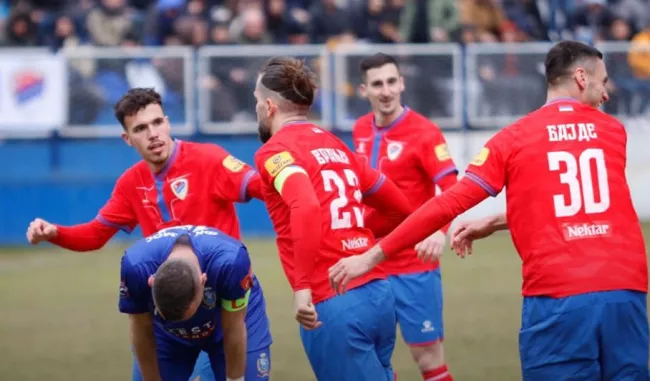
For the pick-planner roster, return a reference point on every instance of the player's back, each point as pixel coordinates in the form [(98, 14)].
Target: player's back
[(218, 254), (338, 180), (569, 207)]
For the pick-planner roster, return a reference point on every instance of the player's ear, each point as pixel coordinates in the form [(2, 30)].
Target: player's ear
[(270, 107), (581, 77), (204, 278), (401, 83), (126, 138), (363, 90), (150, 281)]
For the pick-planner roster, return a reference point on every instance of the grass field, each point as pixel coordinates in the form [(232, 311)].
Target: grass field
[(59, 317)]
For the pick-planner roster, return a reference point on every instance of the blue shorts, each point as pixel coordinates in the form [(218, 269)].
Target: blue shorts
[(357, 338), (418, 304), (183, 364), (594, 336)]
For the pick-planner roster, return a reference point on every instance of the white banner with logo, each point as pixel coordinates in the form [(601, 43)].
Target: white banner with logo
[(33, 91)]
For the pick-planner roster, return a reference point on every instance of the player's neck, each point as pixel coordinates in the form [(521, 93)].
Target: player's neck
[(382, 120), (556, 94), (157, 167), (289, 120)]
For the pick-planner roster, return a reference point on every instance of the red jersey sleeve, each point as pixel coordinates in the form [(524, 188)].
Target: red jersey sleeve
[(233, 179), (370, 180), (488, 168), (118, 212), (436, 159), (281, 169)]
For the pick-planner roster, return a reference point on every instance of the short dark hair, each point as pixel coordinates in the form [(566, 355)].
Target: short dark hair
[(563, 56), (376, 61), (174, 288), (290, 78), (135, 100)]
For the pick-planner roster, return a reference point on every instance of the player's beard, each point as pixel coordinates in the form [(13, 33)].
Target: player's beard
[(263, 131)]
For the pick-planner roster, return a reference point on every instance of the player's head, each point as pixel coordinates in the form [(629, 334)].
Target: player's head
[(383, 83), (178, 284), (284, 92), (578, 70), (146, 128)]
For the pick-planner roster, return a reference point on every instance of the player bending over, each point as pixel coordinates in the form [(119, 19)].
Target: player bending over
[(190, 289), (313, 187), (410, 150), (175, 183), (572, 221)]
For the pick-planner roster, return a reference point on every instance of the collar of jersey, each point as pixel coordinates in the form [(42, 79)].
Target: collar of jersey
[(562, 100), (392, 124)]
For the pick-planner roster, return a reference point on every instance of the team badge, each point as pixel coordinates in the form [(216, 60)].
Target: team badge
[(393, 150), (209, 298), (481, 157), (233, 164), (263, 365), (180, 187), (362, 147), (247, 282), (442, 152)]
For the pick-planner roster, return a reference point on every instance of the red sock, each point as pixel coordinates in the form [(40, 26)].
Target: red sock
[(439, 374)]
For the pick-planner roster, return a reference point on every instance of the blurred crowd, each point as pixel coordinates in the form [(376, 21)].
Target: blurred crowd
[(57, 23), (71, 24)]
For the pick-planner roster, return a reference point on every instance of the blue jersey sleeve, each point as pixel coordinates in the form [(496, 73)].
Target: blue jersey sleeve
[(236, 281), (134, 289)]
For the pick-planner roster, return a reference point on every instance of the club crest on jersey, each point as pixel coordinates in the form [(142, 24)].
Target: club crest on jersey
[(180, 187), (209, 298), (393, 150), (263, 365)]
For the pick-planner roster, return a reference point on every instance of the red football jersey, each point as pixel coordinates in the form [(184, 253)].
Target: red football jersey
[(569, 207), (339, 181), (413, 153), (197, 187)]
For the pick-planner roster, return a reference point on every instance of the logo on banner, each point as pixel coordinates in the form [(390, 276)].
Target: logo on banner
[(180, 187), (394, 150), (27, 85)]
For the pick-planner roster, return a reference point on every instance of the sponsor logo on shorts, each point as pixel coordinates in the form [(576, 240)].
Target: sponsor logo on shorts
[(263, 365), (124, 291), (427, 326)]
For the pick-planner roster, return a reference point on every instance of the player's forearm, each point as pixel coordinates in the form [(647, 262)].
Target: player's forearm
[(445, 183), (144, 346), (90, 236), (498, 222), (433, 215), (234, 343), (391, 207)]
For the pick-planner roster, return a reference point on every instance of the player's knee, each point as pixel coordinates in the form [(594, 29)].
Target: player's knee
[(428, 356)]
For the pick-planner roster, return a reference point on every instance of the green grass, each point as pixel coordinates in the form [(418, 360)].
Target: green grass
[(59, 317)]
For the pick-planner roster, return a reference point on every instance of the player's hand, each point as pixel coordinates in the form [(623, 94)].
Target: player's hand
[(467, 232), (305, 310), (40, 230), (431, 249), (352, 267)]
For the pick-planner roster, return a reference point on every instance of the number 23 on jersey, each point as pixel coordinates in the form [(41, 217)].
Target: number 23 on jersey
[(340, 211)]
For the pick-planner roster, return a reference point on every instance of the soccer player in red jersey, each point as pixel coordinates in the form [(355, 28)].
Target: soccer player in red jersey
[(571, 218), (313, 187), (176, 183), (410, 150)]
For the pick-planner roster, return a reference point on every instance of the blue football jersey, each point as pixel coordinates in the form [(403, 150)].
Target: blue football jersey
[(230, 285)]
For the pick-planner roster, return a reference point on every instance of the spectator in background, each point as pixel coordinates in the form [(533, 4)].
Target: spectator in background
[(486, 15), (250, 27), (425, 21), (21, 30), (110, 22), (639, 60), (328, 20), (622, 81), (591, 21), (527, 17), (635, 12), (377, 21)]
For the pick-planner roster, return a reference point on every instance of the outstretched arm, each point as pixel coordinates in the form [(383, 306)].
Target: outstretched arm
[(467, 232)]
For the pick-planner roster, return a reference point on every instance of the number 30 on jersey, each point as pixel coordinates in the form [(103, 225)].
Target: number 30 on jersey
[(581, 182)]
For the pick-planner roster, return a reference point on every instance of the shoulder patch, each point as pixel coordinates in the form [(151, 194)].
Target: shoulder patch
[(233, 164), (276, 163), (481, 157), (442, 152)]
